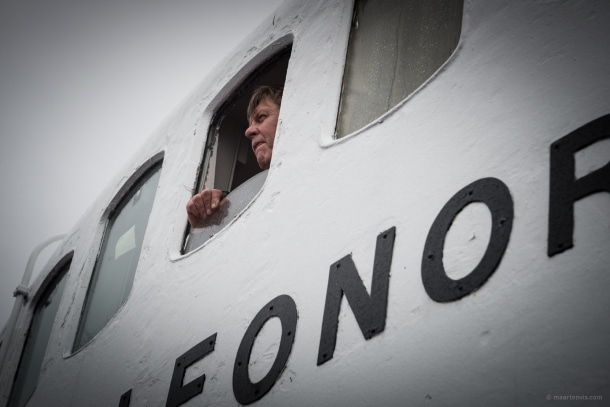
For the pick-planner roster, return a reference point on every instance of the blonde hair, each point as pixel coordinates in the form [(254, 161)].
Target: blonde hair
[(274, 93)]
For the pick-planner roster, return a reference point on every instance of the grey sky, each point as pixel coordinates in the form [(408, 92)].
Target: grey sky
[(82, 84)]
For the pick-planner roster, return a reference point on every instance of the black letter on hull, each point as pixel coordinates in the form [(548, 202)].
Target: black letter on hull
[(565, 189), (244, 390), (493, 193), (179, 394), (370, 311), (125, 399)]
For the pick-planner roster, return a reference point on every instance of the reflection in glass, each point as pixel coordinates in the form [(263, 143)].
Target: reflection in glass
[(36, 342), (394, 47), (116, 265)]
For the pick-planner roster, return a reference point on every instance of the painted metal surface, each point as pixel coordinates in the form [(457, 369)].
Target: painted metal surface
[(524, 75)]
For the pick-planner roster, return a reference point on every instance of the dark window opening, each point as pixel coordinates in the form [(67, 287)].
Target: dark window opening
[(229, 161)]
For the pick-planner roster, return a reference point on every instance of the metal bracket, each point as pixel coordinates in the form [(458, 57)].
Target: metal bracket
[(23, 291)]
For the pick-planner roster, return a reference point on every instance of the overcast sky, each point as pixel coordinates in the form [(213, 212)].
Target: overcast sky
[(82, 84)]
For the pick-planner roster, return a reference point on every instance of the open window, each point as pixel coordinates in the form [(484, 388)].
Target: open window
[(118, 259), (229, 164), (394, 47), (38, 336)]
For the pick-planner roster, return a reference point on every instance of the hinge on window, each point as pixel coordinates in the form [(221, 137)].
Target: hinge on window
[(22, 291)]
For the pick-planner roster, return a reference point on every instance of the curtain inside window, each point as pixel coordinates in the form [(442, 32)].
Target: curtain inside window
[(394, 46)]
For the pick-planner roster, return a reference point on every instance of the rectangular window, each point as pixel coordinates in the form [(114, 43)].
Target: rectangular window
[(118, 260), (394, 47), (36, 341), (229, 161)]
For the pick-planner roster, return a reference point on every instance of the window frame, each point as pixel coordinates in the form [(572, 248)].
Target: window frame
[(59, 274), (348, 96), (274, 64), (139, 177)]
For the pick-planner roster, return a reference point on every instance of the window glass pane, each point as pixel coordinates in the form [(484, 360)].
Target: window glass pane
[(116, 265), (394, 47), (36, 342), (230, 207)]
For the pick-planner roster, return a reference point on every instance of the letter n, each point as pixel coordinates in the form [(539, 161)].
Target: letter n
[(369, 310)]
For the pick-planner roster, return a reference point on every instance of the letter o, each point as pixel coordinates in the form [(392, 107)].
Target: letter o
[(244, 390), (493, 193)]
